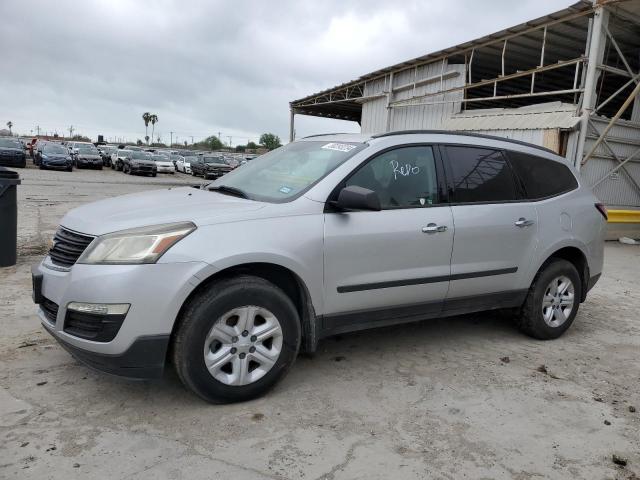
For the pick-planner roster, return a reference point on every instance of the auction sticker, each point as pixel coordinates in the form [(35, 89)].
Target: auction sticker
[(284, 189), (340, 147)]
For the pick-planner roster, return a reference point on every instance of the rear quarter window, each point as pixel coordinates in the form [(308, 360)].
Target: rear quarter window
[(542, 178)]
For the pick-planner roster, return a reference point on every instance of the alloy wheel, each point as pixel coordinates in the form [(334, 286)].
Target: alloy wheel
[(243, 345), (558, 301)]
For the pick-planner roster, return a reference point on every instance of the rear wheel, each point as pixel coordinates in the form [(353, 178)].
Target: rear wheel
[(552, 302), (236, 340)]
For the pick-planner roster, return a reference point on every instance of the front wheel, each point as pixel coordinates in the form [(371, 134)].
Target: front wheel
[(552, 302), (236, 340)]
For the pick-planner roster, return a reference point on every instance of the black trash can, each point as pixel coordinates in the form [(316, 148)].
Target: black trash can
[(9, 180)]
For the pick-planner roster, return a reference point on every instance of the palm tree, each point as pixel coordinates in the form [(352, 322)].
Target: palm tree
[(153, 119), (10, 124), (146, 116)]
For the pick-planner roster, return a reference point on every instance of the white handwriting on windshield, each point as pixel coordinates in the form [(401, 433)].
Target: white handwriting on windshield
[(403, 170)]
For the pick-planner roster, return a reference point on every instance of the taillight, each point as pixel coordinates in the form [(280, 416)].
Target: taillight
[(603, 210)]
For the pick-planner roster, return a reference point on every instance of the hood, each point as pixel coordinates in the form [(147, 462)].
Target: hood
[(11, 150), (55, 156), (156, 207), (164, 163), (88, 155), (217, 165), (141, 161)]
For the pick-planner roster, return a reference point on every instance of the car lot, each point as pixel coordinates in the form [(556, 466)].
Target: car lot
[(463, 396)]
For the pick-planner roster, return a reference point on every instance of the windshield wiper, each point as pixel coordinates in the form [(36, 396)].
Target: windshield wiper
[(236, 192)]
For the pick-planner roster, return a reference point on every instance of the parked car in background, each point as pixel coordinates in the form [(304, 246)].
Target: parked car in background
[(163, 163), (174, 158), (36, 149), (86, 155), (12, 153), (55, 156), (184, 164), (105, 153), (210, 167), (232, 162), (139, 162), (118, 157)]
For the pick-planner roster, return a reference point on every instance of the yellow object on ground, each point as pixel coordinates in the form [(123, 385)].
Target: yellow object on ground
[(624, 216)]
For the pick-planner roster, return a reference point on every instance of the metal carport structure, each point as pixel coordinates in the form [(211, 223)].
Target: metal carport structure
[(579, 66)]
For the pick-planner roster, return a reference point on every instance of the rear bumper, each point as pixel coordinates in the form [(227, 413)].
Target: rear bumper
[(145, 358)]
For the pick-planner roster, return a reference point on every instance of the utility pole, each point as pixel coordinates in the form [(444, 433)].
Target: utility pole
[(219, 136), (171, 141), (191, 139), (38, 129), (229, 137), (70, 131)]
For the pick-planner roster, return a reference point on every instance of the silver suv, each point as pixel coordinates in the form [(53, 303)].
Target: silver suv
[(325, 235)]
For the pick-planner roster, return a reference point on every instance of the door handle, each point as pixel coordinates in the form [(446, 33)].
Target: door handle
[(523, 222), (433, 228)]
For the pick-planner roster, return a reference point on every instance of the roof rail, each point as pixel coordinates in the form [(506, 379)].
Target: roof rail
[(465, 134), (325, 135)]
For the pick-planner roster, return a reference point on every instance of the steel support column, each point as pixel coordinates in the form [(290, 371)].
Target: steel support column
[(594, 59), (389, 99)]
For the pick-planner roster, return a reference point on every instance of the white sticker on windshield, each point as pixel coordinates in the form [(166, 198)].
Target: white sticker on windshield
[(284, 189), (340, 147)]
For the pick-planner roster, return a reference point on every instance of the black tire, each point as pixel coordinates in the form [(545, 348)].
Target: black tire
[(530, 319), (154, 174), (69, 169), (198, 317)]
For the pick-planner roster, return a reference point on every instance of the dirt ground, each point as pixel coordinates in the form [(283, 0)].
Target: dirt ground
[(461, 397)]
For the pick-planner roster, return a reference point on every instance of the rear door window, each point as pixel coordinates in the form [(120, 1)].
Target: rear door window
[(480, 175), (541, 177)]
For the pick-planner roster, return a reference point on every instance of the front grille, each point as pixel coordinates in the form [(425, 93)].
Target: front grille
[(68, 246), (50, 309)]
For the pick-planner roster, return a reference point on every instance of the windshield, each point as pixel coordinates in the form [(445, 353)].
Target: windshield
[(87, 149), (55, 149), (10, 143), (190, 159), (288, 171), (161, 158), (139, 155)]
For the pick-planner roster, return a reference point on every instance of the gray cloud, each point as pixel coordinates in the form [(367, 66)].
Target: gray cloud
[(205, 66)]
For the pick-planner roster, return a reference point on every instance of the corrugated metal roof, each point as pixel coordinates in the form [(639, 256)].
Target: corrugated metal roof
[(550, 115), (582, 6)]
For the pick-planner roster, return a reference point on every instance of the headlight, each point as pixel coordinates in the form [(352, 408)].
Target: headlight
[(136, 245)]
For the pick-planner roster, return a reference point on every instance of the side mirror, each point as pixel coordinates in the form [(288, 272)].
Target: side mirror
[(357, 198)]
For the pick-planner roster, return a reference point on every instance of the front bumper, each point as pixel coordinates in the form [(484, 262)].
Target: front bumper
[(86, 162), (143, 169), (12, 161), (63, 164), (144, 359), (156, 293), (215, 173)]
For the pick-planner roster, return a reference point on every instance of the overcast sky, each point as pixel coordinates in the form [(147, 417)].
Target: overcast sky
[(205, 67)]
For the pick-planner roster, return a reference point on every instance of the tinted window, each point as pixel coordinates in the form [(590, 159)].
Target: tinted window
[(480, 175), (541, 177), (402, 178)]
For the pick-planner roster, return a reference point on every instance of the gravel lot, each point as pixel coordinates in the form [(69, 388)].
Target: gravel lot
[(462, 397)]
